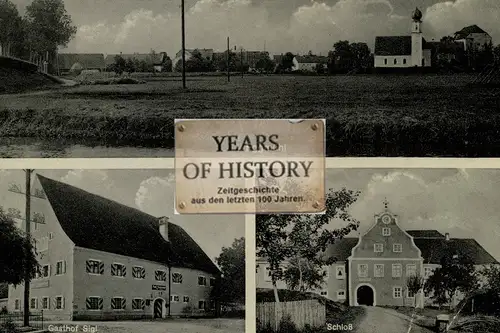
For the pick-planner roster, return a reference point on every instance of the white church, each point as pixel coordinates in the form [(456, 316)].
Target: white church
[(404, 51)]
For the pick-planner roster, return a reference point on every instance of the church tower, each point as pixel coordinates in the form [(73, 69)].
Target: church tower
[(416, 39)]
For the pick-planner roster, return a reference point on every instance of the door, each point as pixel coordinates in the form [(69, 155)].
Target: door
[(158, 308), (365, 296)]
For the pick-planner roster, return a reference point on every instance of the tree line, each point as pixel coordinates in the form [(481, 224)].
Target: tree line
[(44, 27)]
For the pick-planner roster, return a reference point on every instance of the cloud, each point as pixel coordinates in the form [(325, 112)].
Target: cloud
[(155, 196), (94, 181)]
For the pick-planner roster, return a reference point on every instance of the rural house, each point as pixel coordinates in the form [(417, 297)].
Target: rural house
[(156, 60), (207, 54), (373, 269), (404, 51), (473, 37), (76, 62), (309, 63), (103, 260)]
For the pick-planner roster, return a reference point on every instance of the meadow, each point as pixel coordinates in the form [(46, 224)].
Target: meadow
[(367, 115)]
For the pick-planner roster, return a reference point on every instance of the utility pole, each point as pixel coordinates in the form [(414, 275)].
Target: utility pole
[(27, 268), (183, 46), (228, 71), (241, 62)]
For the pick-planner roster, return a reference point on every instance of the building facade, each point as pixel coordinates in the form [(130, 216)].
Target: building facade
[(473, 38), (101, 260), (374, 268), (404, 51)]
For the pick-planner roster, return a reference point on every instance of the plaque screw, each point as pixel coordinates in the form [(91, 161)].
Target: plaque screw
[(314, 127), (182, 205), (182, 128), (316, 205)]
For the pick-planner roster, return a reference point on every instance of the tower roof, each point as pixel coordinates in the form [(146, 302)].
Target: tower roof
[(416, 15)]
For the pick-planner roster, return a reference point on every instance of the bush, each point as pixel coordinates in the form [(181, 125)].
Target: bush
[(4, 310), (286, 325), (8, 327), (187, 310)]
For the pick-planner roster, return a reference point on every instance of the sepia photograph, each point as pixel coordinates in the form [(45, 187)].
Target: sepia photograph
[(398, 250), (413, 78), (102, 251)]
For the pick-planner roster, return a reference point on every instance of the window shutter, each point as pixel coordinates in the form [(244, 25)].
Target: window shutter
[(100, 304), (124, 302), (54, 303), (101, 268), (49, 270), (62, 303), (64, 267)]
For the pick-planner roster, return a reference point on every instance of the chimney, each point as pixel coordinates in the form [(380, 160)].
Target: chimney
[(163, 227), (447, 236)]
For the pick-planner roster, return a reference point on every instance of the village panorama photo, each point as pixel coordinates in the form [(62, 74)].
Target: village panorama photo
[(103, 251), (398, 250), (391, 77)]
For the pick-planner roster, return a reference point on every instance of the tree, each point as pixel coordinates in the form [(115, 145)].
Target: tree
[(21, 253), (233, 62), (496, 54), (265, 64), (119, 65), (310, 237), (415, 285), (287, 61), (130, 66), (167, 64), (48, 26), (362, 56), (10, 27), (232, 264), (457, 273)]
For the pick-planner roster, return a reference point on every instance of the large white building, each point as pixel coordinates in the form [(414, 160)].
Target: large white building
[(404, 51)]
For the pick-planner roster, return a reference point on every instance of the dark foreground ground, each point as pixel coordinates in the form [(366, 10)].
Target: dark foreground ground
[(384, 115)]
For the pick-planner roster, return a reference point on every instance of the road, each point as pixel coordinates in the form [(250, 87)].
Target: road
[(382, 320), (164, 326)]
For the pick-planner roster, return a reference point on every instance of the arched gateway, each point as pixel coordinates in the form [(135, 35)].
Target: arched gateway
[(365, 295)]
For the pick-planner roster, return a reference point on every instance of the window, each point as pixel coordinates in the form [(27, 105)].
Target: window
[(185, 299), (118, 303), (385, 61), (411, 270), (138, 272), (17, 304), (397, 292), (404, 61), (202, 281), (51, 235), (362, 270), (174, 298), (94, 303), (95, 267), (379, 270), (138, 304), (212, 281), (324, 293), (176, 278), (386, 231), (160, 275), (427, 271), (33, 303), (397, 247), (396, 270), (45, 303), (409, 294), (45, 271), (378, 247), (59, 302), (201, 305), (60, 267), (341, 294), (395, 61), (340, 272), (119, 270)]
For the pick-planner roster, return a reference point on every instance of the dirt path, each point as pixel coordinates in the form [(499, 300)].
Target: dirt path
[(381, 320)]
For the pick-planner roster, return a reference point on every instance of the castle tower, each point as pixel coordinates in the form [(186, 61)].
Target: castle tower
[(416, 39)]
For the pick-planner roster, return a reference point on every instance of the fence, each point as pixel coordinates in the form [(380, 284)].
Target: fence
[(35, 319), (308, 312)]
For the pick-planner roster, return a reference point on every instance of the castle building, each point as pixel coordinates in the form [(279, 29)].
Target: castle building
[(404, 51), (374, 268), (102, 260)]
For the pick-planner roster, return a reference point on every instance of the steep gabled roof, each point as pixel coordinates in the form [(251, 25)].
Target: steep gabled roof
[(431, 243), (396, 45), (87, 60), (97, 223), (471, 29)]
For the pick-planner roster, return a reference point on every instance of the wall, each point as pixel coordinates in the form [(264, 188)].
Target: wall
[(334, 284), (108, 286), (60, 248), (480, 39), (189, 287), (263, 280), (380, 61)]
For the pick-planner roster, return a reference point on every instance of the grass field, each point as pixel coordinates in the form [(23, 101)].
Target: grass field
[(366, 115)]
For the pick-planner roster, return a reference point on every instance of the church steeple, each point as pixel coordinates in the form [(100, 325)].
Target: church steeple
[(417, 15)]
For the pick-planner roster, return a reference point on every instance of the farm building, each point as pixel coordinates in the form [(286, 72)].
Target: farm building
[(103, 260), (373, 268), (156, 60), (76, 62), (309, 63), (207, 54), (404, 51), (473, 37)]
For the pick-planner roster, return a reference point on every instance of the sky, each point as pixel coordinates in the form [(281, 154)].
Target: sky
[(464, 203), (151, 191), (278, 26)]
